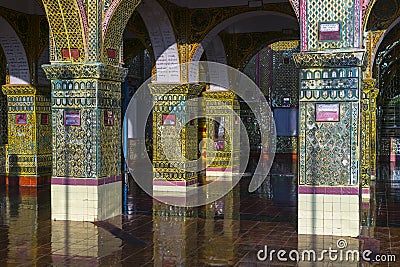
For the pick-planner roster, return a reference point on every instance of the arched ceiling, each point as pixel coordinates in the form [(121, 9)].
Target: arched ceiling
[(264, 23), (222, 3), (32, 7), (383, 14)]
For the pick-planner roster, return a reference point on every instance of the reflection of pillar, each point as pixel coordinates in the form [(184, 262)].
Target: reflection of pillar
[(84, 244), (223, 131), (86, 107), (29, 224), (223, 250), (368, 136), (330, 86), (368, 213), (175, 235), (177, 170), (29, 136)]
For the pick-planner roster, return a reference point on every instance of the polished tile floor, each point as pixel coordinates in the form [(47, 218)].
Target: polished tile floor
[(229, 232)]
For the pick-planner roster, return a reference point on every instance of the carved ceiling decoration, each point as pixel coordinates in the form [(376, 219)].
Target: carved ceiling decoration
[(383, 14), (240, 48)]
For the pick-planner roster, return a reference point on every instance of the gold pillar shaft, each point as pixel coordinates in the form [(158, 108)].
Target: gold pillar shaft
[(368, 136), (172, 111), (29, 135), (222, 130)]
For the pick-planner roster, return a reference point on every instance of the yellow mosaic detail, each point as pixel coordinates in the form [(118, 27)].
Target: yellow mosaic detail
[(285, 45), (368, 132), (371, 43), (29, 139), (66, 29), (114, 25)]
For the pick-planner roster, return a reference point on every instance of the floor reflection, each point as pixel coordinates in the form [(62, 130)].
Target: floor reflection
[(228, 232)]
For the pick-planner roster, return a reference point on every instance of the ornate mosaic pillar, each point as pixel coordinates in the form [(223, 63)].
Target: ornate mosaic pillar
[(174, 172), (330, 62), (329, 143), (222, 129), (86, 113), (368, 135), (3, 137), (3, 119), (28, 155)]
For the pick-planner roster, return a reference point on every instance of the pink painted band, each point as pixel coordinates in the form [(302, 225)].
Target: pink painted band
[(85, 181), (175, 183), (328, 190)]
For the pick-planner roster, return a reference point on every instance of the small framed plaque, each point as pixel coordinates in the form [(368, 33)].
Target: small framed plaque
[(72, 118), (44, 119), (327, 112), (109, 118), (330, 31), (219, 145), (21, 119), (168, 120), (73, 52)]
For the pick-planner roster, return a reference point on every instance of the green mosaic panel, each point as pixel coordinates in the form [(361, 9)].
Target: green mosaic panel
[(286, 144), (285, 78), (329, 150), (330, 11), (110, 136), (91, 150)]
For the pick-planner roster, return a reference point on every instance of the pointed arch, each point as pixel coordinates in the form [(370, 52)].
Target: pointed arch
[(114, 23), (367, 6), (217, 29), (296, 7), (163, 41), (15, 53)]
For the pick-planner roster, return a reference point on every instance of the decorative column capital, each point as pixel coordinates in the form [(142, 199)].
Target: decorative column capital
[(369, 88), (220, 94), (85, 71), (169, 88), (330, 59), (18, 89)]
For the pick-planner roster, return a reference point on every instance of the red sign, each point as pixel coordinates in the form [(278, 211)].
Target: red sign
[(20, 119), (112, 53), (108, 118), (74, 53), (72, 118), (44, 119), (327, 112), (168, 120), (329, 32)]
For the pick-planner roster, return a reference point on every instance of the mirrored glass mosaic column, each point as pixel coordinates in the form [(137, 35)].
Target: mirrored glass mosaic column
[(28, 154), (329, 143), (222, 152), (86, 113), (174, 172), (330, 87)]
